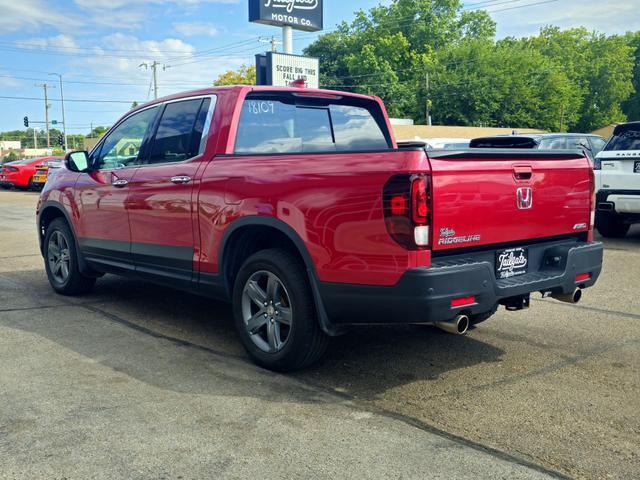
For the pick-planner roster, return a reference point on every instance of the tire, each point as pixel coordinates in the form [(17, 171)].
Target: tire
[(278, 278), (74, 282), (30, 187), (611, 226)]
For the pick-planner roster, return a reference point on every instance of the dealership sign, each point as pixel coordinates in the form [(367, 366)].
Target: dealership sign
[(298, 14), (280, 70)]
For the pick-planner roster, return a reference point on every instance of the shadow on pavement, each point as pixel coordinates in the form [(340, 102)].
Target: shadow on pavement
[(126, 325)]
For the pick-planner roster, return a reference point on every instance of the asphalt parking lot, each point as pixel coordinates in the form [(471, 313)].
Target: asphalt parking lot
[(139, 381)]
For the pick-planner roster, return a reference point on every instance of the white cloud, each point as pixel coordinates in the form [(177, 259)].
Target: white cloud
[(9, 82), (61, 42), (193, 29), (32, 15), (180, 69)]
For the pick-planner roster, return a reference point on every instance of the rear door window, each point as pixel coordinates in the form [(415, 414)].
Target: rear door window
[(284, 124), (179, 132)]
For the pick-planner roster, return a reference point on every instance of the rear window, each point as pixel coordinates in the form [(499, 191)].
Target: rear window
[(287, 124), (625, 140)]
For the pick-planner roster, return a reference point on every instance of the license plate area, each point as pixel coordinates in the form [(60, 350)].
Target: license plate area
[(512, 262), (636, 166)]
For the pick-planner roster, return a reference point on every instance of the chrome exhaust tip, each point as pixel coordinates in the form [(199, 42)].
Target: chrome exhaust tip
[(457, 326), (573, 297)]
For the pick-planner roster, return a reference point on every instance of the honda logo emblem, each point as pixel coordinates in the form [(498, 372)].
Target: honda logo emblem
[(524, 196)]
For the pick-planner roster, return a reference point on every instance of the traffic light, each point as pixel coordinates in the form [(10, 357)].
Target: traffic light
[(26, 121), (61, 140)]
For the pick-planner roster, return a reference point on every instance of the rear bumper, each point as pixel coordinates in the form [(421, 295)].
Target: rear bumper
[(623, 202), (424, 295)]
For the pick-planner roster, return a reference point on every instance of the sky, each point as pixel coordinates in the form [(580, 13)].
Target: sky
[(98, 46)]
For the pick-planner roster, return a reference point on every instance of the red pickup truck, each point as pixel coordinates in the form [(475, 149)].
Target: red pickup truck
[(299, 207)]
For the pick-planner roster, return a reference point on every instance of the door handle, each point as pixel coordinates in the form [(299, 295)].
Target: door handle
[(180, 179), (120, 183), (522, 172)]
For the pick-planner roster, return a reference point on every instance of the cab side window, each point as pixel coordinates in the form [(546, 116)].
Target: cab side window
[(121, 148), (179, 132)]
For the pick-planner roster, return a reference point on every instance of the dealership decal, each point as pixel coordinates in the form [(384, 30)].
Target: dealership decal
[(512, 262)]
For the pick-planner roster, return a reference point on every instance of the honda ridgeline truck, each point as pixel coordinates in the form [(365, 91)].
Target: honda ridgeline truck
[(298, 206)]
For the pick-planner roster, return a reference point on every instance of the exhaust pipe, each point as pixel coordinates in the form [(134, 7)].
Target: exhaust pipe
[(573, 297), (457, 326)]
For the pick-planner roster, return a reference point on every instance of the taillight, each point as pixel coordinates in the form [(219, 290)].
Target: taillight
[(420, 199), (407, 210)]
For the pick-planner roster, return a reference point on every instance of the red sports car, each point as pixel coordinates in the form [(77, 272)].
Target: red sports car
[(20, 174)]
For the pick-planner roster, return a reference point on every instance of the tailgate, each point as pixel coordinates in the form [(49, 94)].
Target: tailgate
[(487, 197), (620, 172)]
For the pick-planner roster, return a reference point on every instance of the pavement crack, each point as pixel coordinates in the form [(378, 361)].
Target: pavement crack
[(591, 309)]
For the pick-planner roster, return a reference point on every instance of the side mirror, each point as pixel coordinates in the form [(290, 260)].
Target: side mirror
[(77, 161)]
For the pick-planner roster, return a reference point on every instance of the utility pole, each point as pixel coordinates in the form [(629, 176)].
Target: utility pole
[(35, 139), (64, 121), (274, 43), (154, 67), (46, 110), (428, 109)]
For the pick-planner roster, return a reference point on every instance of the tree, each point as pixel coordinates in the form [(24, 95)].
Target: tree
[(631, 107), (389, 50), (10, 157), (600, 67), (98, 132), (413, 53), (243, 76)]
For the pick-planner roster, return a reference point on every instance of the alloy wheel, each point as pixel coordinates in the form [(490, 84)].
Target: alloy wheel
[(267, 311), (58, 256)]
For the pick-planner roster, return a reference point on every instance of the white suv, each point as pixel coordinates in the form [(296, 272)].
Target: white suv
[(618, 182)]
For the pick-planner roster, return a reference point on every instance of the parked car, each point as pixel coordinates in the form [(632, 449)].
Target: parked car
[(19, 174), (618, 182), (43, 170), (591, 144), (298, 206)]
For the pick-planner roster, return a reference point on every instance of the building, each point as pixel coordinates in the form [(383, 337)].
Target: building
[(606, 132), (9, 146), (418, 132)]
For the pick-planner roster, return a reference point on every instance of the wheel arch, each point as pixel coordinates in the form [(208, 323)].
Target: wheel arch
[(254, 233), (50, 211)]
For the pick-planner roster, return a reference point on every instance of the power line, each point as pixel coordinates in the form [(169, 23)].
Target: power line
[(75, 100)]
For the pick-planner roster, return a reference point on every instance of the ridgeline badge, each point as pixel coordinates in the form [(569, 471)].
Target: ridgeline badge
[(299, 14)]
